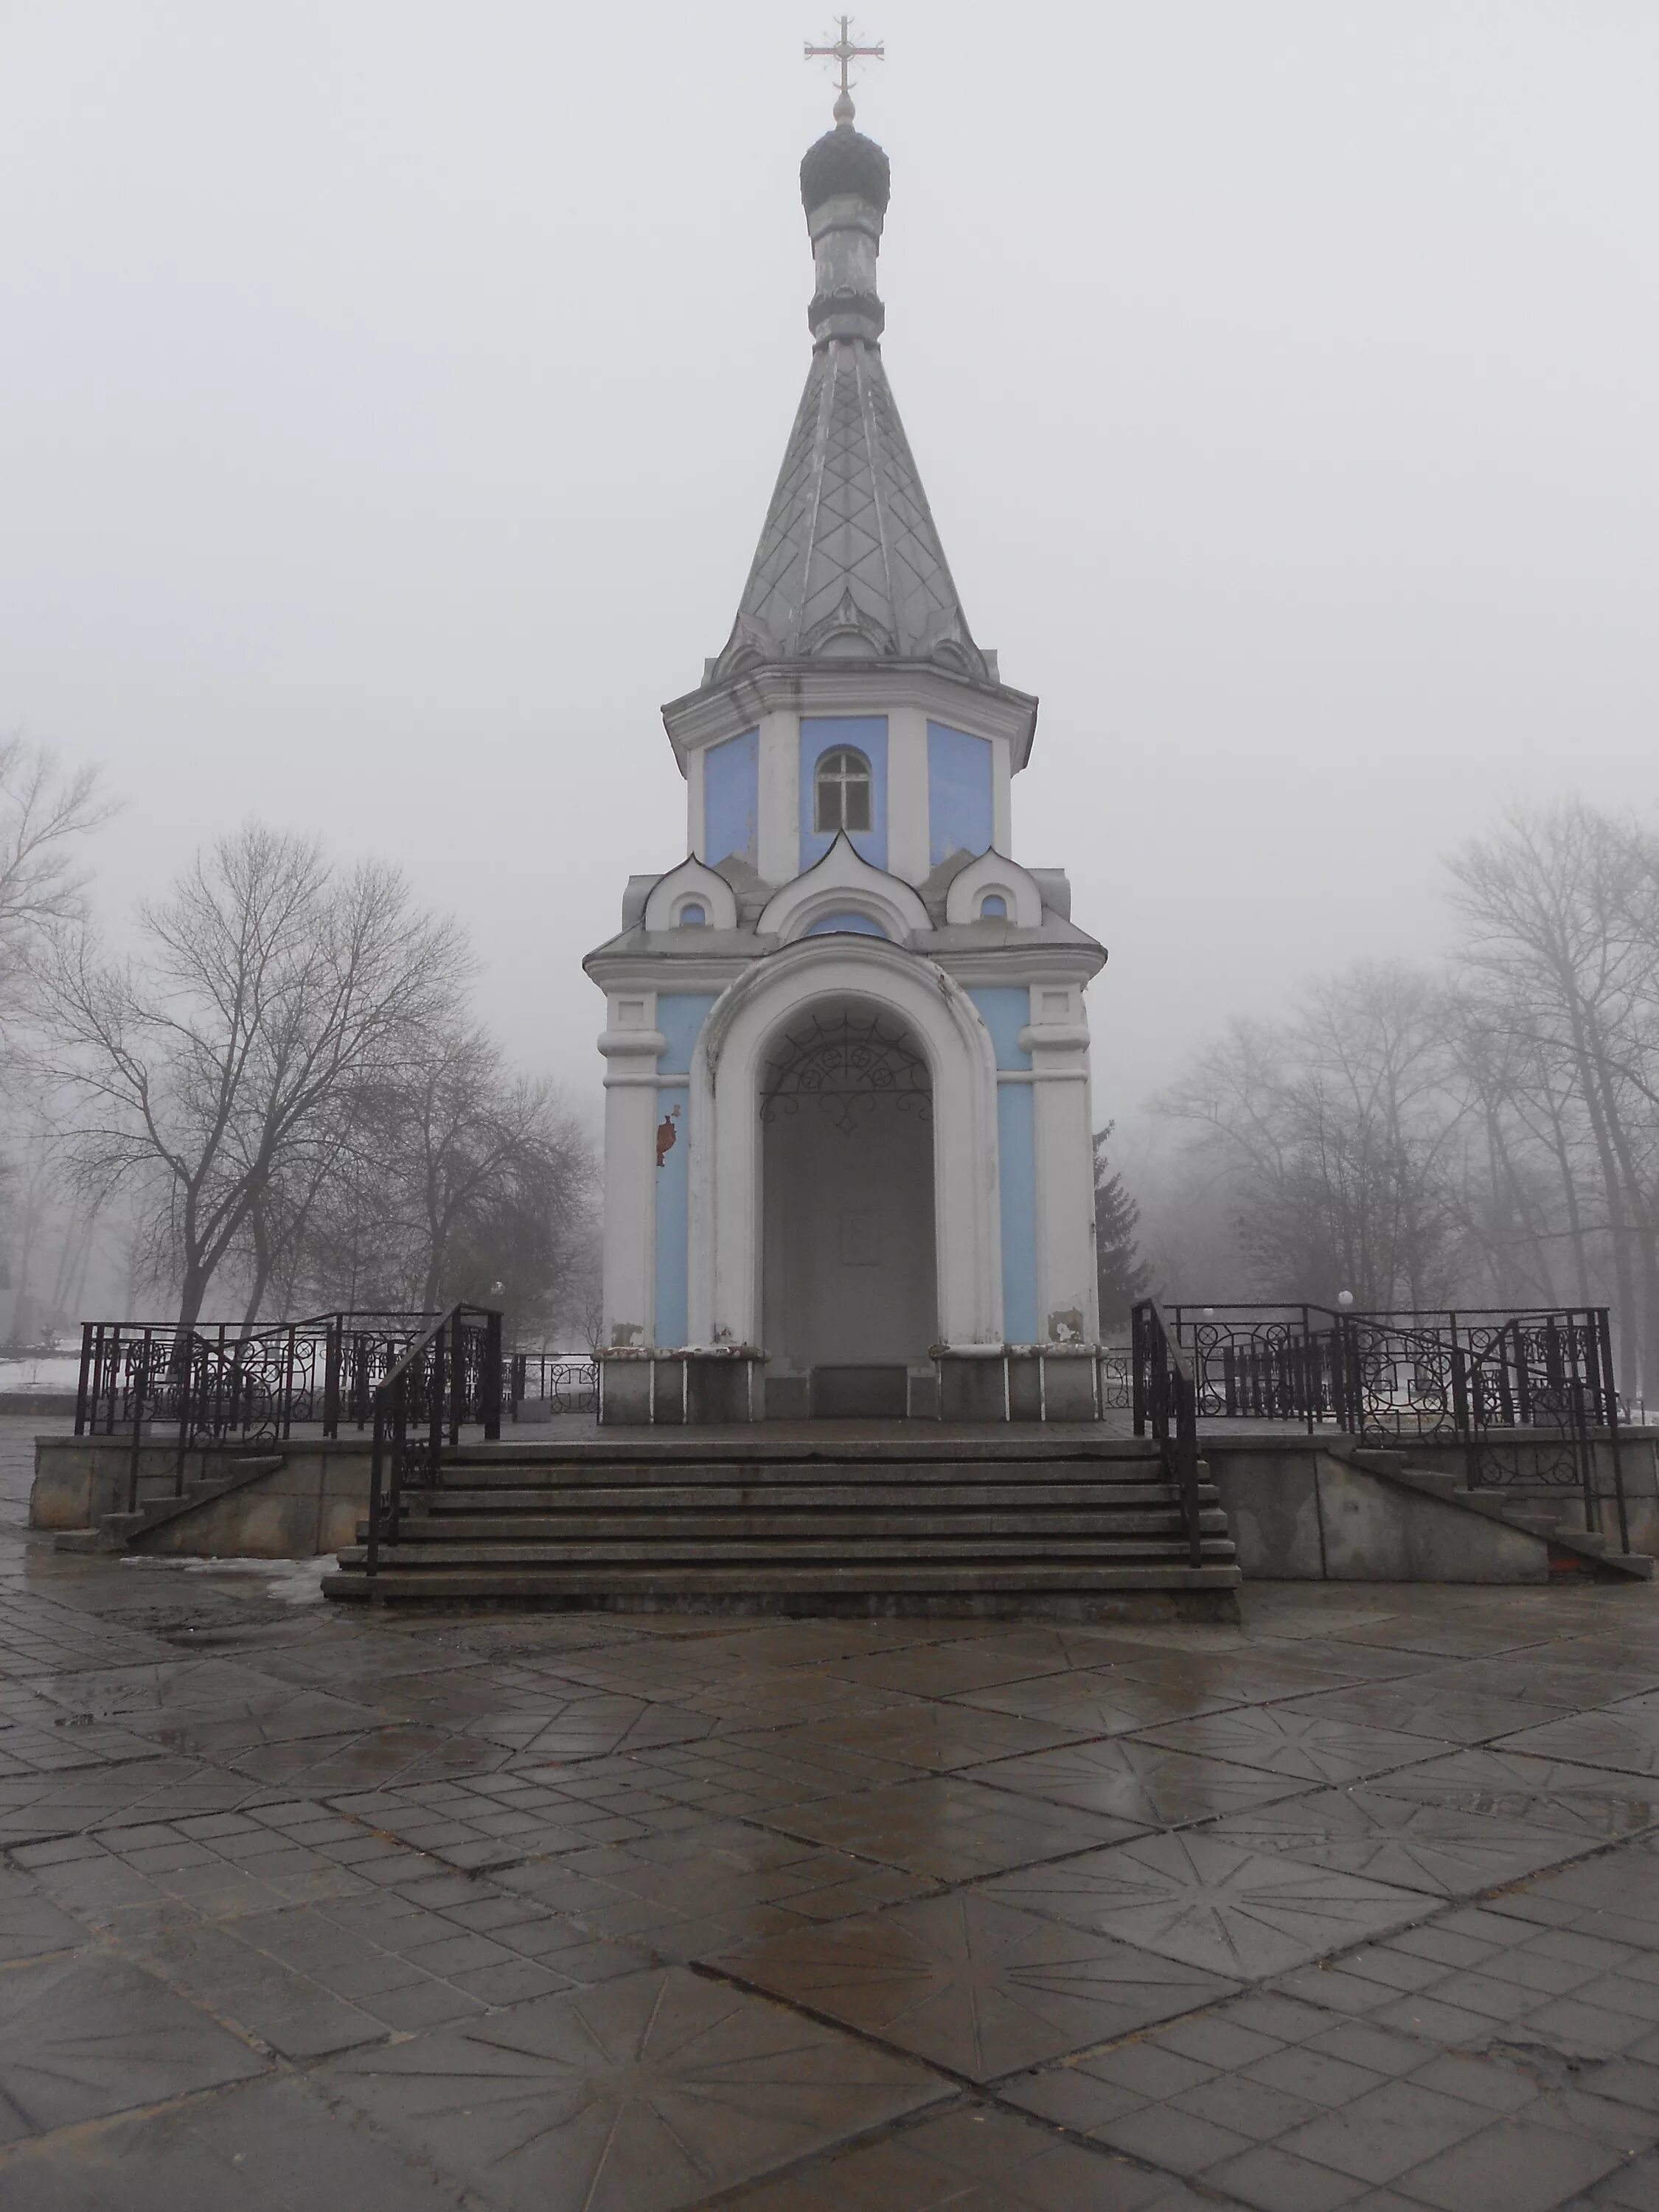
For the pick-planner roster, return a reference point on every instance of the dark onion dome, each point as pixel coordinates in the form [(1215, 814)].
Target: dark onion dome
[(844, 161)]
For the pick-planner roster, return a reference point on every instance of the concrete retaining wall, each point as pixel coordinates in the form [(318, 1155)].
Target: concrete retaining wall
[(1300, 1511), (311, 1504)]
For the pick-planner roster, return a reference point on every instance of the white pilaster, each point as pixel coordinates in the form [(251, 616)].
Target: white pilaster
[(1058, 1041), (777, 853), (908, 840), (630, 1044)]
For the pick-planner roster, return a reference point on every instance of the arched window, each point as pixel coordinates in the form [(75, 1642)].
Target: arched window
[(693, 917), (994, 907), (842, 792), (851, 925)]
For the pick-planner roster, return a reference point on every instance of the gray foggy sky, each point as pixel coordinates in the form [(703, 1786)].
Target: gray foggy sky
[(391, 395)]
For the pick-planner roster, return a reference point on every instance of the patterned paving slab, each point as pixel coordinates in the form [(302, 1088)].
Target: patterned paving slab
[(656, 2091), (1142, 1784), (1305, 1745), (944, 1670), (976, 2160), (1424, 1707), (1624, 1737), (166, 1689), (272, 2146), (1093, 1704), (31, 1925), (1432, 1847), (947, 1827), (32, 1808), (1211, 1904), (85, 2035), (941, 1736), (367, 1759), (559, 1724), (1541, 1793), (973, 1985)]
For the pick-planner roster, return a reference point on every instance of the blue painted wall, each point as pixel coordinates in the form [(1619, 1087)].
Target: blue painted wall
[(731, 798), (822, 733), (1006, 1011), (960, 816), (1016, 1182), (680, 1015), (673, 1212)]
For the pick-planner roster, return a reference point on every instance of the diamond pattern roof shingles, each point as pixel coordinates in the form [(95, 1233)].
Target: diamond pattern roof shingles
[(848, 541)]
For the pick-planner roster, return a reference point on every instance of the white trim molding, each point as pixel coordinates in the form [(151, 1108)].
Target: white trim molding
[(993, 872)]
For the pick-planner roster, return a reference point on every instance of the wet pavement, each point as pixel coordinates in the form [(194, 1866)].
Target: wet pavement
[(1357, 1905)]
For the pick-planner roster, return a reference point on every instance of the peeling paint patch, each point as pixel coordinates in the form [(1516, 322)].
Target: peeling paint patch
[(666, 1133), (625, 1334), (1066, 1327)]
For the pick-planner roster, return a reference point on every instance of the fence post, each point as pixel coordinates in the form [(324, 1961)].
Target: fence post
[(1137, 1361), (1602, 1319), (81, 1387), (457, 1380), (331, 1375), (492, 1378)]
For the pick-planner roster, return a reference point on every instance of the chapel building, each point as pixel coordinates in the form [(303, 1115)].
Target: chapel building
[(847, 1157)]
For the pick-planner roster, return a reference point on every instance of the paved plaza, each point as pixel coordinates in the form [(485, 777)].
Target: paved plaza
[(1357, 1905)]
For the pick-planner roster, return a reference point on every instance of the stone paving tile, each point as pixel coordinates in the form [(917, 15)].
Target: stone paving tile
[(685, 1894), (31, 1924), (272, 2146), (381, 1756), (655, 2091), (1321, 2110), (1199, 1899), (726, 1775), (971, 1984), (495, 1820), (83, 2035), (1094, 1703), (166, 1689), (222, 1865), (943, 1670), (946, 1827), (1426, 1706), (971, 2160), (1596, 1803), (566, 1724), (940, 1737), (1305, 1745), (1144, 1784), (1624, 1737), (37, 1806), (37, 1736), (1432, 1847)]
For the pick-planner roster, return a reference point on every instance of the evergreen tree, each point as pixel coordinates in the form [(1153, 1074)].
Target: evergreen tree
[(1123, 1276)]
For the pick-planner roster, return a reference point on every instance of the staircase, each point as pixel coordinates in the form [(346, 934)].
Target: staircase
[(125, 1532), (996, 1526), (1571, 1549)]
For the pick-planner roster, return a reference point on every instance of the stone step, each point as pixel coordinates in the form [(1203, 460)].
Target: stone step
[(859, 1525), (691, 1551), (946, 1583), (568, 1474), (695, 1448), (697, 1498)]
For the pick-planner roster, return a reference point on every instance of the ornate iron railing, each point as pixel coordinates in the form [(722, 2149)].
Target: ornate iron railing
[(450, 1376), (1165, 1399), (266, 1381), (1527, 1396), (560, 1382)]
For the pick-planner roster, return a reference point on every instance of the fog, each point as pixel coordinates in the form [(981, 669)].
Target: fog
[(392, 394)]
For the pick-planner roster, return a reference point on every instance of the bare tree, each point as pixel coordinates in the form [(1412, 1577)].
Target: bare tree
[(1332, 1137), (1563, 911), (209, 1068), (44, 811)]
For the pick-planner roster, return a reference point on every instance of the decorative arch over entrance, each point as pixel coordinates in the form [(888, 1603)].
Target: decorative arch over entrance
[(747, 1034)]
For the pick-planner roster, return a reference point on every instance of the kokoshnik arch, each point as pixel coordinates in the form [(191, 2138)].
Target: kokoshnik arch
[(848, 1166)]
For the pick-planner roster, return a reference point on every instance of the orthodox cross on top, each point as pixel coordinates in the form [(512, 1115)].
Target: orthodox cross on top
[(846, 50)]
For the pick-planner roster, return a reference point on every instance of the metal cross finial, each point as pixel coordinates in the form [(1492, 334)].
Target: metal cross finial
[(846, 50)]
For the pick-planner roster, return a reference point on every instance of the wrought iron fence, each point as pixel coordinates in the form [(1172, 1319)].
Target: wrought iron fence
[(450, 1376), (558, 1381), (1527, 1396), (237, 1385)]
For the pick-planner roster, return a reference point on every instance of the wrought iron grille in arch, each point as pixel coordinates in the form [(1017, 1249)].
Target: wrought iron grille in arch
[(844, 1066)]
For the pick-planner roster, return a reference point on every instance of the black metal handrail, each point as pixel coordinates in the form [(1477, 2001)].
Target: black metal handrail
[(1165, 1398), (450, 1376)]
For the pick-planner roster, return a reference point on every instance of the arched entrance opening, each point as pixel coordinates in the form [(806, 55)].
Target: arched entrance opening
[(849, 1300)]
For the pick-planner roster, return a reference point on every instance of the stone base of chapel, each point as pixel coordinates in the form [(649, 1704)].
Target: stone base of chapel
[(985, 1383)]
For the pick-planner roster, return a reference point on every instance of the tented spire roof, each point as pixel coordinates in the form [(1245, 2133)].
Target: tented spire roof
[(849, 563)]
